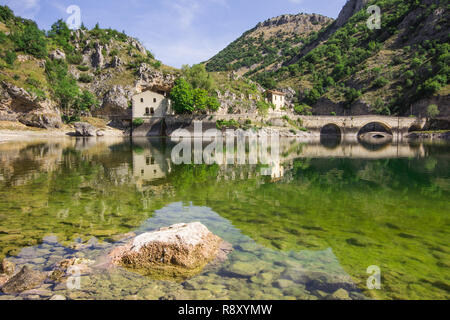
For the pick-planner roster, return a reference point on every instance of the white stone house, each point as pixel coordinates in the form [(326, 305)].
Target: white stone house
[(150, 104), (277, 98)]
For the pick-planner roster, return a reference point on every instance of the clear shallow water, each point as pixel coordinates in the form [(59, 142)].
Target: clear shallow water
[(335, 211)]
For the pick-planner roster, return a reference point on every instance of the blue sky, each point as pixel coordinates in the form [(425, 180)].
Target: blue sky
[(176, 31)]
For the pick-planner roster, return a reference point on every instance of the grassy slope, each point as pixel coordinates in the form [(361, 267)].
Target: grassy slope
[(261, 48), (389, 67)]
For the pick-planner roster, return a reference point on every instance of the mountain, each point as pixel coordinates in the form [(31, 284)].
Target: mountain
[(346, 68), (46, 75), (268, 45)]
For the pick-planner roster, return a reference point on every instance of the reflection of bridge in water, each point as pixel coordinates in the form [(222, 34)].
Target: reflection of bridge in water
[(357, 150)]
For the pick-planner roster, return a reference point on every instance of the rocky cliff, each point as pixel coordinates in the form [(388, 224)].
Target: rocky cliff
[(85, 72)]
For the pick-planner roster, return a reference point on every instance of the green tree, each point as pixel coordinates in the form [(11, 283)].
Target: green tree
[(31, 40), (86, 101), (182, 96), (60, 33), (198, 77), (432, 111)]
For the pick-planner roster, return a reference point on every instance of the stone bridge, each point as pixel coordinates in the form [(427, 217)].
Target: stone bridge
[(351, 127)]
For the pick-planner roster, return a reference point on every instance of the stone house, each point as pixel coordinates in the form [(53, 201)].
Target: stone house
[(151, 104), (277, 98)]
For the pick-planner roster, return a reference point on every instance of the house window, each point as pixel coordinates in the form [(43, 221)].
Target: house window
[(142, 100), (147, 111), (154, 100), (152, 111), (148, 161)]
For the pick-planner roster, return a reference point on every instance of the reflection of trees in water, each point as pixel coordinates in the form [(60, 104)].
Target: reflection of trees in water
[(329, 203)]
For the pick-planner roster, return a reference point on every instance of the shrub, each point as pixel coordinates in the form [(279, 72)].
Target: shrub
[(31, 40), (138, 122), (83, 68), (85, 78), (380, 82), (303, 109), (75, 59), (70, 119), (433, 111), (10, 57)]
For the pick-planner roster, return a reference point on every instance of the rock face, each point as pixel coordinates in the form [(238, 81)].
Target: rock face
[(26, 279), (179, 251), (83, 129), (18, 104), (350, 8), (115, 102), (57, 55), (97, 59)]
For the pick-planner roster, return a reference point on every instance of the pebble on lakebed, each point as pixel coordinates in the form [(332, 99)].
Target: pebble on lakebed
[(174, 253)]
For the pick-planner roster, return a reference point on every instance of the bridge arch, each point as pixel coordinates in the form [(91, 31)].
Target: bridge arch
[(331, 135), (375, 126), (331, 129)]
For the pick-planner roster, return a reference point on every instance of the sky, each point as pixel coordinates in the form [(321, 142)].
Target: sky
[(177, 32)]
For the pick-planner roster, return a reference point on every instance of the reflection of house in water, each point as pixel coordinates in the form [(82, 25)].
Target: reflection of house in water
[(149, 164), (275, 171)]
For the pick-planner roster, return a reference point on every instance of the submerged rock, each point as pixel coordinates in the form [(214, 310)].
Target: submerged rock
[(67, 267), (7, 267), (26, 279), (340, 294), (179, 251)]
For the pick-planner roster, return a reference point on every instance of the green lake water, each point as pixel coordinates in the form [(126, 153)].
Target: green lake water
[(315, 229)]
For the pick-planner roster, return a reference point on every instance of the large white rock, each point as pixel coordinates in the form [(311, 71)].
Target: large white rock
[(181, 250)]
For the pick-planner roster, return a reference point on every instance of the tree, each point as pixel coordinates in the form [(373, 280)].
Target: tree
[(182, 96), (433, 111), (86, 101), (198, 77), (60, 33), (201, 99), (31, 40)]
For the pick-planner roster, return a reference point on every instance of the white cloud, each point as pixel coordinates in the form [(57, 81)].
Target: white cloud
[(24, 8)]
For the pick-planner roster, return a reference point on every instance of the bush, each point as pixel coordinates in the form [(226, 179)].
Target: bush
[(433, 111), (303, 109), (31, 40), (75, 59), (10, 57), (380, 82), (6, 13), (86, 101), (138, 122), (70, 119), (85, 78), (83, 68)]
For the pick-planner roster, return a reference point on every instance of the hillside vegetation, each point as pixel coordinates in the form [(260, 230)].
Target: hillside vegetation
[(357, 70), (78, 71), (270, 43)]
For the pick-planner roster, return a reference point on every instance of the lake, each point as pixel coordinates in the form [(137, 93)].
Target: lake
[(328, 220)]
